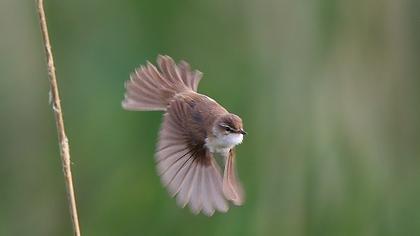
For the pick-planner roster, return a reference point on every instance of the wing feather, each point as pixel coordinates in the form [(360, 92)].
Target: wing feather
[(216, 190), (175, 183), (186, 168), (183, 196), (232, 188)]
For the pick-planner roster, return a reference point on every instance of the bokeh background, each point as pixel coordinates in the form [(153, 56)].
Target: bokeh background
[(329, 92)]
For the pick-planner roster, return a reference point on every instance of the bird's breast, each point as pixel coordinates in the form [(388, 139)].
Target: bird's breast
[(222, 144)]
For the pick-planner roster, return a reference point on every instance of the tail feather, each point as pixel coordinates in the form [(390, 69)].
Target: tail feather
[(151, 89), (190, 78), (168, 68)]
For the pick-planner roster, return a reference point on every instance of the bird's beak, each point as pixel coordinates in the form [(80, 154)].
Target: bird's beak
[(242, 132)]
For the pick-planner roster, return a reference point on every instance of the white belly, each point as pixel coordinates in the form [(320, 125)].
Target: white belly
[(223, 143)]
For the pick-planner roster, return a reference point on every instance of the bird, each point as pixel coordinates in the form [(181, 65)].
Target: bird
[(196, 134)]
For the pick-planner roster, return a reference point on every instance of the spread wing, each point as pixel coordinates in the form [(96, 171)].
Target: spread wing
[(232, 187), (185, 166)]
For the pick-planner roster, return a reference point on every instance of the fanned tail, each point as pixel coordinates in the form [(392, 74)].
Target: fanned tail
[(150, 89)]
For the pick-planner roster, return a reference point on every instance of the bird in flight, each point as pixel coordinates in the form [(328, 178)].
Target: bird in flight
[(197, 134)]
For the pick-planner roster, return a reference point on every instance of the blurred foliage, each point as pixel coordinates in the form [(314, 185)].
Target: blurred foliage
[(329, 92)]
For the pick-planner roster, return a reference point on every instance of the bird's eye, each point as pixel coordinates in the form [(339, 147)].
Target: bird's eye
[(225, 127)]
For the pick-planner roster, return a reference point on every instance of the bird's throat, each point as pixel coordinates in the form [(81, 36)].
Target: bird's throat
[(223, 143)]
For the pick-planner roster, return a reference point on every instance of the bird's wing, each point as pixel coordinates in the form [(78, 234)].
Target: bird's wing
[(232, 188), (186, 168)]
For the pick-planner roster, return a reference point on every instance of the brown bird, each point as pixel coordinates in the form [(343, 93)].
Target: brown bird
[(196, 131)]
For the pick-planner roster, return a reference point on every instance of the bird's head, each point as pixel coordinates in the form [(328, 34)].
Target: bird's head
[(229, 129)]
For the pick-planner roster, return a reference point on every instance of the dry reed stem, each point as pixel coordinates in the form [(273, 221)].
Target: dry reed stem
[(62, 138)]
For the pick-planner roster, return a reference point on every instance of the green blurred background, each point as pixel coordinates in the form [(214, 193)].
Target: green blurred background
[(329, 92)]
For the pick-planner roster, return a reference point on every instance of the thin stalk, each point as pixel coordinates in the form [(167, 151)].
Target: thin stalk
[(56, 105)]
